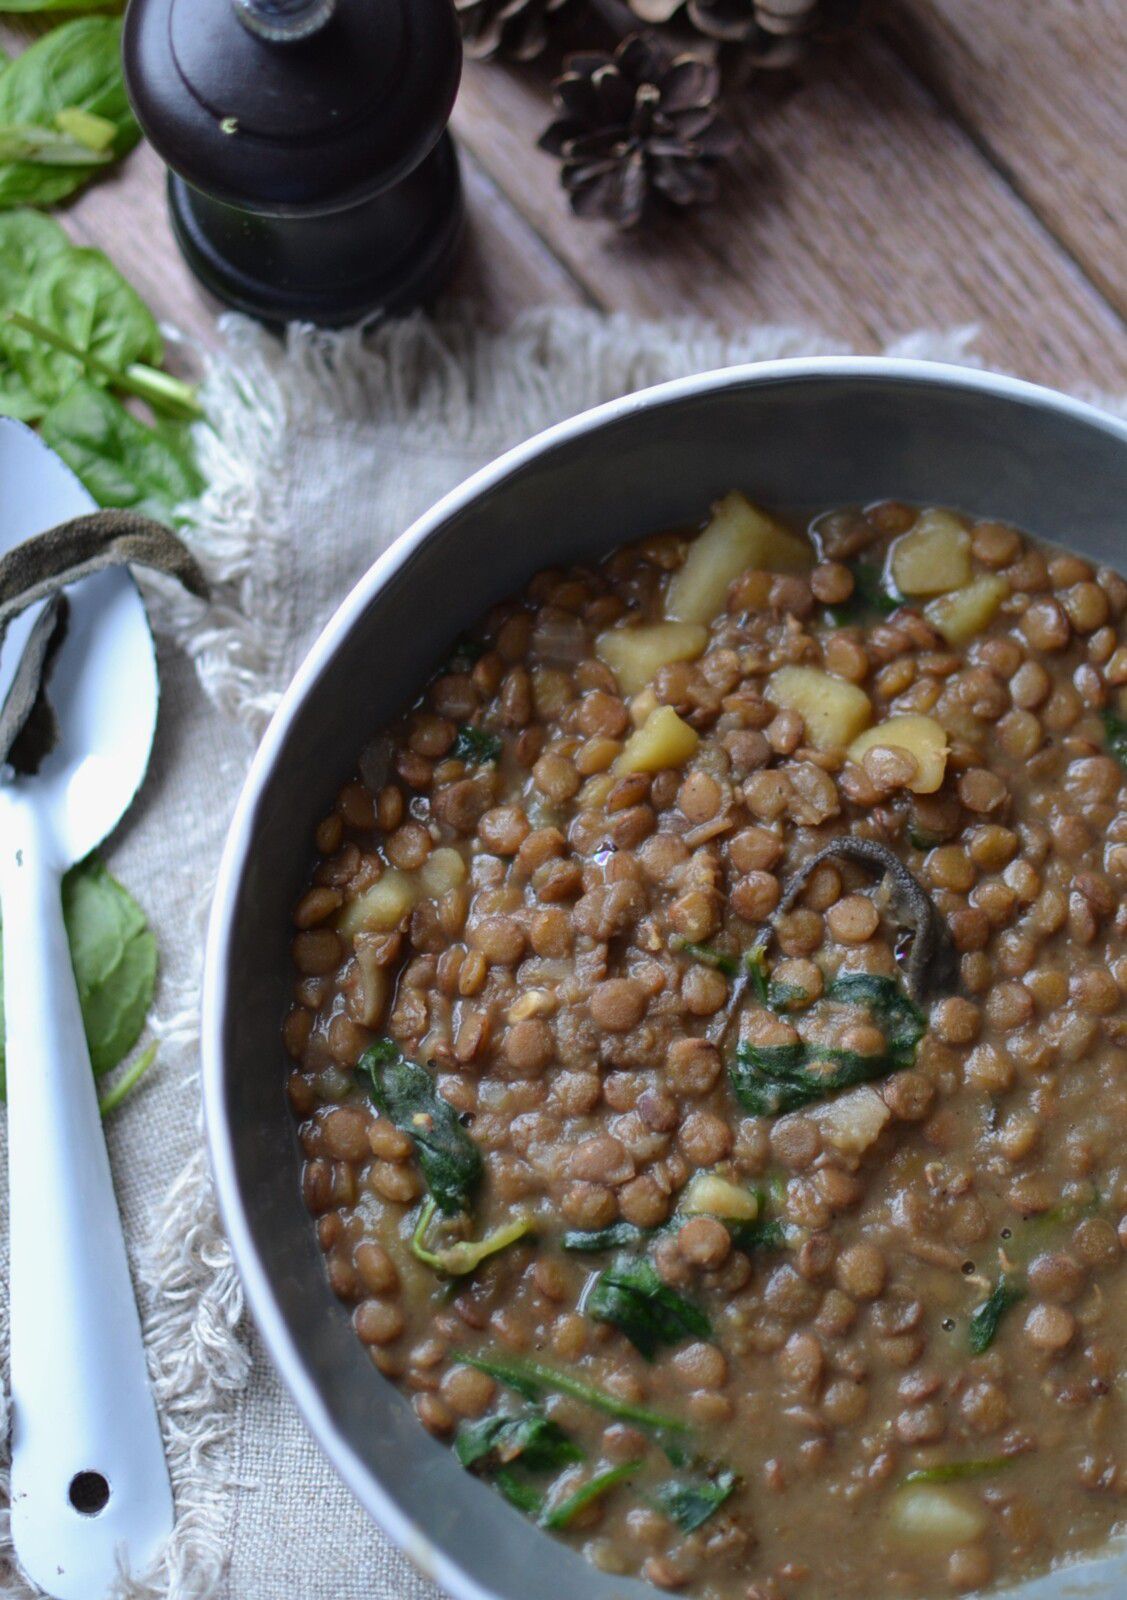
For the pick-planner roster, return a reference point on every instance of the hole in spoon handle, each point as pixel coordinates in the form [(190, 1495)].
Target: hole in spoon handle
[(89, 1493)]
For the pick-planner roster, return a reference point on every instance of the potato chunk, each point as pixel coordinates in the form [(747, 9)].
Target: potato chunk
[(922, 737), (933, 556), (853, 1121), (739, 537), (937, 1517), (709, 1195), (635, 654), (382, 907), (662, 741), (834, 711), (441, 871), (961, 615)]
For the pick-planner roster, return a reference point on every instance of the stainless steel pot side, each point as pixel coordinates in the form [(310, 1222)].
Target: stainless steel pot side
[(818, 433)]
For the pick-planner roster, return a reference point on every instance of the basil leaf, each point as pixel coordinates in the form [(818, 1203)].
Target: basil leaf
[(114, 956), (74, 67), (691, 1501), (405, 1093), (123, 462), (986, 1317), (476, 746), (538, 1443), (632, 1298), (81, 297)]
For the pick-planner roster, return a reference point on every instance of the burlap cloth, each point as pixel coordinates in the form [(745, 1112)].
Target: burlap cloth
[(320, 452)]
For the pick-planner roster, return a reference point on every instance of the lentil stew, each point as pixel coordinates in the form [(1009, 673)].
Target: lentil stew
[(708, 1049)]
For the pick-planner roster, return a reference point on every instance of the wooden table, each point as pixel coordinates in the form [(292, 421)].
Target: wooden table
[(963, 162)]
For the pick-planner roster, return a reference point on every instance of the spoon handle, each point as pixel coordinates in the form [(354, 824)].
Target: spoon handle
[(90, 1485)]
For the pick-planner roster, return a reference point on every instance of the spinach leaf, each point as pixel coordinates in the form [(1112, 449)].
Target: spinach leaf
[(986, 1317), (632, 1298), (565, 1512), (533, 1379), (772, 1079), (476, 746), (25, 7), (901, 1021), (114, 956), (786, 996), (464, 655), (464, 1255), (81, 300), (765, 1233), (692, 1500), (74, 67), (618, 1236), (1115, 734), (28, 241), (870, 594), (405, 1093), (720, 959), (524, 1496), (535, 1440), (123, 462)]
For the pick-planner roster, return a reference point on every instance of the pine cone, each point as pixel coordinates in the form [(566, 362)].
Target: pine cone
[(639, 125), (776, 33), (515, 28)]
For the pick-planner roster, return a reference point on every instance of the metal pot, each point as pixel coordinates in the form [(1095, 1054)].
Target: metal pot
[(793, 433)]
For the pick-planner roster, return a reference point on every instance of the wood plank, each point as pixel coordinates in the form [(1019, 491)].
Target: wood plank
[(1043, 89), (505, 267), (858, 209)]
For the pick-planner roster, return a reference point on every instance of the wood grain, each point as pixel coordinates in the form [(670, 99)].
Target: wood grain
[(860, 209), (964, 166), (1043, 89)]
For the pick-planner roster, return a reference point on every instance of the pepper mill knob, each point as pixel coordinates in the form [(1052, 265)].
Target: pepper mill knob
[(311, 175)]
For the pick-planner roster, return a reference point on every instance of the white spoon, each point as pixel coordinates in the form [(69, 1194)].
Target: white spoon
[(90, 1485)]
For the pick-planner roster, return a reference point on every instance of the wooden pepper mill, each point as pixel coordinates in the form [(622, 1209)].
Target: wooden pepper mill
[(311, 173)]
